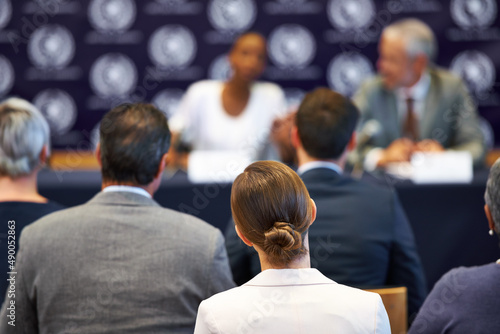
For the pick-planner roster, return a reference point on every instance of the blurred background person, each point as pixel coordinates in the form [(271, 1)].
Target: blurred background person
[(232, 116), (120, 262), (24, 151), (467, 300), (361, 236), (416, 105), (272, 211)]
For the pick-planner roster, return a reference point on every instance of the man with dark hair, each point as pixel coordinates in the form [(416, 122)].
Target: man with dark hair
[(361, 236), (119, 263)]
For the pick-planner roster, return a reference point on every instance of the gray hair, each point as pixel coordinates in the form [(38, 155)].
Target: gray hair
[(23, 133), (492, 193), (418, 37)]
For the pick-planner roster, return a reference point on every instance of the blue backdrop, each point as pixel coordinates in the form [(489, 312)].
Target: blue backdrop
[(76, 59)]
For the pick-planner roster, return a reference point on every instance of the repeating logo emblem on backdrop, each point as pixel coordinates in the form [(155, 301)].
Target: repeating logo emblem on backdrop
[(172, 47), (168, 100), (351, 14), (112, 15), (113, 75), (220, 68), (6, 76), (346, 72), (5, 13), (473, 13), (51, 47), (476, 69), (59, 109), (232, 15), (291, 46)]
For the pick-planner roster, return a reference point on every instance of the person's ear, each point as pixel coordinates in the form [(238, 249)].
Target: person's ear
[(313, 213), (98, 154), (351, 145), (491, 223), (242, 237), (162, 165), (44, 155), (296, 143), (420, 63)]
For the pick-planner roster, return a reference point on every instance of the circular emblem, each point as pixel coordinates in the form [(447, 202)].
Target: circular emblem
[(346, 72), (58, 108), (351, 14), (5, 13), (172, 46), (291, 46), (293, 98), (168, 100), (6, 75), (51, 47), (113, 75), (112, 15), (476, 69), (232, 15), (473, 13), (220, 68)]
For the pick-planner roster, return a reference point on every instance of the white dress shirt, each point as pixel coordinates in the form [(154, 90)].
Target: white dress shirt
[(292, 301), (130, 189), (319, 164), (417, 92)]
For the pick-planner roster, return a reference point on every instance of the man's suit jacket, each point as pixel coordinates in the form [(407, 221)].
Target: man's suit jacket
[(292, 301), (449, 115), (118, 264), (361, 237)]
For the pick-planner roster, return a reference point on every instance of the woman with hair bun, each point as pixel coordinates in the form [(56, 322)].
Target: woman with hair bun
[(272, 211)]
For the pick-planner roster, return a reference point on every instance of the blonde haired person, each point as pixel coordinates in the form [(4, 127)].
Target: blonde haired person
[(272, 211), (24, 150)]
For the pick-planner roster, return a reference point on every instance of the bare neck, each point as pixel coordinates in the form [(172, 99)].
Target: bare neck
[(22, 189), (304, 158), (302, 262)]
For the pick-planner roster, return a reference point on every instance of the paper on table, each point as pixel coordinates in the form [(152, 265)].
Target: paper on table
[(216, 166), (442, 167)]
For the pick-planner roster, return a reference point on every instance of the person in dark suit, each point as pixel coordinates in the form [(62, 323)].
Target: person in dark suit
[(119, 263), (361, 236), (24, 151)]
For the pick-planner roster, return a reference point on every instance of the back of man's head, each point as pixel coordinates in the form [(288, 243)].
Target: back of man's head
[(325, 123), (133, 140)]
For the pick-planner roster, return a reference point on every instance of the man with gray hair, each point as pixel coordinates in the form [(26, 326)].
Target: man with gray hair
[(119, 263), (413, 105), (24, 150), (467, 299)]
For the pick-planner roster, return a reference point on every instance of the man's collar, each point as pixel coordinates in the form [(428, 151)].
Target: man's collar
[(130, 189), (319, 164), (418, 91)]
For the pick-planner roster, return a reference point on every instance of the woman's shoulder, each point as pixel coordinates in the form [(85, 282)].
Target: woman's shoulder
[(203, 86), (268, 88)]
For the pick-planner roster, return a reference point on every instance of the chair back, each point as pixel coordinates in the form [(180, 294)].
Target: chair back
[(396, 305)]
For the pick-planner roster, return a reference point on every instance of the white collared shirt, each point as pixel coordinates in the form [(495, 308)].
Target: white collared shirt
[(319, 164), (130, 189), (417, 92)]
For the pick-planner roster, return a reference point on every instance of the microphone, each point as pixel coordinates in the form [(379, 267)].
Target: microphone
[(371, 129)]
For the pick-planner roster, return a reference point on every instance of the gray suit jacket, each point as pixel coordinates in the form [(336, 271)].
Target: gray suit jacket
[(117, 264), (449, 117)]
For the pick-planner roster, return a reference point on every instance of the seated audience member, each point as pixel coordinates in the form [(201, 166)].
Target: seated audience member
[(24, 150), (235, 115), (273, 211), (467, 300), (361, 236), (416, 105), (119, 263)]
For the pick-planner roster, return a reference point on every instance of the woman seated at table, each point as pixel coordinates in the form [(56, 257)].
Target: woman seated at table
[(235, 115), (273, 211), (467, 300), (24, 150)]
